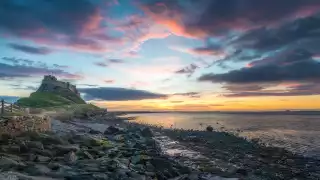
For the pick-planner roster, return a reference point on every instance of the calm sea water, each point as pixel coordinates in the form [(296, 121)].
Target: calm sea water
[(298, 133)]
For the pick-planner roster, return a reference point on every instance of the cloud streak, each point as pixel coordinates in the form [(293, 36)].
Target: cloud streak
[(30, 49), (118, 94)]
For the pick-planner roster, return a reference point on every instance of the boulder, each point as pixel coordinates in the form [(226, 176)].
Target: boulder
[(111, 130), (146, 132), (209, 128), (71, 157)]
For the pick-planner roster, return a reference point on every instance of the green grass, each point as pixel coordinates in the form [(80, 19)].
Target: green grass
[(46, 99)]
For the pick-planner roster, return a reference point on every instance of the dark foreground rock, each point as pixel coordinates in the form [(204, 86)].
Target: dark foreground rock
[(127, 154)]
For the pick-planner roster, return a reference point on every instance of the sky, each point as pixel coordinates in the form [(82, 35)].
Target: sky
[(166, 55)]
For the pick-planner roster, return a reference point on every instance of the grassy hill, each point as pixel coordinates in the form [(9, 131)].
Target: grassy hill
[(48, 99)]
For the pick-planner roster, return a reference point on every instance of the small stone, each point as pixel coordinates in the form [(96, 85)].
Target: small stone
[(40, 158), (88, 155), (71, 157)]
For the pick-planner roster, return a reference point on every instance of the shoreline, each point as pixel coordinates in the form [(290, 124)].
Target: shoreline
[(228, 155)]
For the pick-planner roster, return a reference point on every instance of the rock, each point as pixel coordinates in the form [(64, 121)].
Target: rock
[(44, 152), (290, 161), (31, 157), (52, 139), (5, 161), (182, 177), (159, 162), (8, 176), (71, 157), (40, 158), (146, 132), (209, 128), (14, 149), (5, 138), (87, 155), (35, 144), (92, 131), (63, 149), (119, 138), (20, 176), (242, 172), (23, 147), (111, 130), (38, 169)]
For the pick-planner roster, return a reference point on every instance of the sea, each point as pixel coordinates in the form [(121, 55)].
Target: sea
[(298, 132)]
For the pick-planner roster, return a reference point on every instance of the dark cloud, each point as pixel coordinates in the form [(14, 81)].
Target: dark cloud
[(22, 71), (118, 94), (216, 17), (9, 98), (87, 85), (101, 64), (265, 39), (56, 23), (243, 87), (189, 70), (284, 58), (30, 49), (188, 94), (109, 62), (115, 61), (300, 90), (60, 66), (17, 61), (300, 71), (31, 17), (209, 49)]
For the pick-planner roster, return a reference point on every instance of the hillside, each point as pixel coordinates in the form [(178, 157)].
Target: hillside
[(49, 99), (52, 93)]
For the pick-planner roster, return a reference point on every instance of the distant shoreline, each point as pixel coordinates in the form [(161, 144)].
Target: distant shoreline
[(228, 112)]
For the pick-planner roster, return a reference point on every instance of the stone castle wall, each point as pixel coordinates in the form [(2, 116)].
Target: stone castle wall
[(50, 83)]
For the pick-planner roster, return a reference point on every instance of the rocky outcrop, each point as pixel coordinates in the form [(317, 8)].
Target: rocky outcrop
[(52, 84), (16, 125)]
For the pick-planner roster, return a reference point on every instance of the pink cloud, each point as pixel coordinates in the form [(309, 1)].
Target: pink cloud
[(109, 81)]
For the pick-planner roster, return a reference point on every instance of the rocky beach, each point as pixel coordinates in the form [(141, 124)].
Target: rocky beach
[(99, 146)]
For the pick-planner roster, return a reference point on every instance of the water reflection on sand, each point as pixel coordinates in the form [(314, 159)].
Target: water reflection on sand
[(298, 133)]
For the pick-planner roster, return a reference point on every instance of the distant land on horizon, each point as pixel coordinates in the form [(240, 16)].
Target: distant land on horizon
[(279, 112)]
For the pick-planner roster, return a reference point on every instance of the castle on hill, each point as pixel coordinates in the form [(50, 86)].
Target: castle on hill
[(52, 84)]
